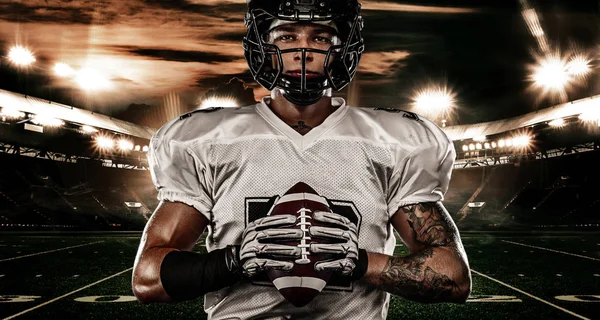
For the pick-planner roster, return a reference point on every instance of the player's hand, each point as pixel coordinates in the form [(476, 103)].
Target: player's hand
[(343, 238), (261, 247)]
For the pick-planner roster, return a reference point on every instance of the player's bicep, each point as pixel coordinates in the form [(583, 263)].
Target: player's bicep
[(174, 225), (424, 225)]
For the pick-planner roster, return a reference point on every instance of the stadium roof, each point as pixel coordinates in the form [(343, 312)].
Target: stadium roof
[(67, 113), (34, 105), (470, 131)]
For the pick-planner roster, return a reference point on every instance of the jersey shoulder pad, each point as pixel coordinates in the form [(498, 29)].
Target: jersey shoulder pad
[(207, 110), (195, 125), (403, 113), (410, 128)]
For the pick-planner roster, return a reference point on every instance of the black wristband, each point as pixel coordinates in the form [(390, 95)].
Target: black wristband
[(361, 266), (187, 275)]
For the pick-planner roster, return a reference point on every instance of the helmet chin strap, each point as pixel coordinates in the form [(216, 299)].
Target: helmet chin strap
[(303, 99)]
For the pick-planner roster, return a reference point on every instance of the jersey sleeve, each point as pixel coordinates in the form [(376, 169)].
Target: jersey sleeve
[(422, 176), (179, 174)]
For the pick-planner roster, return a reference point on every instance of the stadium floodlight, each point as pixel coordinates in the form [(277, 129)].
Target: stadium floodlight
[(486, 145), (471, 147), (480, 138), (465, 148), (501, 143), (435, 101), (494, 144), (521, 141), (88, 129), (11, 113), (478, 146), (137, 148), (63, 70), (218, 102), (578, 66), (91, 80), (21, 56), (557, 122), (103, 142), (145, 149), (47, 121), (125, 145), (592, 116), (552, 74), (509, 142)]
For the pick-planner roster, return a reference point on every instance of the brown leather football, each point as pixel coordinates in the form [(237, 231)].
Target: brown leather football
[(302, 284)]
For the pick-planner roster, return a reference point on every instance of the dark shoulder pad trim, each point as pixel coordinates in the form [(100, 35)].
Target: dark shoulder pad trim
[(207, 110), (406, 114)]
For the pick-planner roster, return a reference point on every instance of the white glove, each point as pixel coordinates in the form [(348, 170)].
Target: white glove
[(343, 242), (260, 251)]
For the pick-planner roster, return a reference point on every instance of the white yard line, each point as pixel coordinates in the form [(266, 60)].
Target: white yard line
[(67, 294), (552, 250), (44, 252), (531, 296)]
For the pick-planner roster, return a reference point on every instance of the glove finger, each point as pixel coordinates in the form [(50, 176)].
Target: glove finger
[(269, 222), (254, 249), (256, 265), (334, 218), (350, 252), (260, 238), (266, 236), (345, 266), (279, 234), (332, 233)]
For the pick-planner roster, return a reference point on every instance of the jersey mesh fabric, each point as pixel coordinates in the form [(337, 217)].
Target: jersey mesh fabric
[(353, 163)]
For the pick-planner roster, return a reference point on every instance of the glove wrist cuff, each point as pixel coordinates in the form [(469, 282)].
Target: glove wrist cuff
[(361, 265), (232, 259)]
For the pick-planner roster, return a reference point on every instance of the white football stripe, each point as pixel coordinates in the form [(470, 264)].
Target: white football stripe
[(302, 196), (299, 282)]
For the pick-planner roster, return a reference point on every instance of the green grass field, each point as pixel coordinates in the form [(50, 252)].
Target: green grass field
[(88, 276)]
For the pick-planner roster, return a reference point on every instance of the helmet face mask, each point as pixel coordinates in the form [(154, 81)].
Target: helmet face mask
[(340, 61)]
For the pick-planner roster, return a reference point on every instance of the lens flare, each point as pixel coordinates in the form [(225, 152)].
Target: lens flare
[(92, 80), (578, 66), (436, 102), (218, 102), (63, 70), (21, 56)]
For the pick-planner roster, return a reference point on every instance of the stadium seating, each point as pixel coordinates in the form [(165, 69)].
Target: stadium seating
[(44, 194)]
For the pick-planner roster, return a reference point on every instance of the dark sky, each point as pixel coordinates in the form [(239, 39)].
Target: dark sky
[(167, 54)]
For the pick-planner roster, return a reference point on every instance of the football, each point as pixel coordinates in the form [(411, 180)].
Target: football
[(302, 284)]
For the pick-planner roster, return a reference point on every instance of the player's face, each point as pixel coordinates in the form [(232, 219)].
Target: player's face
[(303, 35)]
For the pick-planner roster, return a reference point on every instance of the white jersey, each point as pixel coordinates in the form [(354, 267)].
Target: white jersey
[(231, 164)]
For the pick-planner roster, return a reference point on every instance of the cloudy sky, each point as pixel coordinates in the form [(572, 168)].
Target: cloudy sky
[(168, 54)]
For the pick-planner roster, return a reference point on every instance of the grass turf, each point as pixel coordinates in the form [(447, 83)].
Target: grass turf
[(528, 274)]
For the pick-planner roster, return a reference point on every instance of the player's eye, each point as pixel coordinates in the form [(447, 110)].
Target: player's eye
[(322, 39), (285, 37)]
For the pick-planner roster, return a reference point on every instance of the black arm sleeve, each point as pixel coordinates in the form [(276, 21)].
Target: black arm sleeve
[(187, 275)]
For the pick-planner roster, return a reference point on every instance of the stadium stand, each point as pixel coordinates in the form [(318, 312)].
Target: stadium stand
[(45, 194), (553, 192), (55, 181)]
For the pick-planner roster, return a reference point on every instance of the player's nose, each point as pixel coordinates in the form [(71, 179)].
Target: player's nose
[(298, 56)]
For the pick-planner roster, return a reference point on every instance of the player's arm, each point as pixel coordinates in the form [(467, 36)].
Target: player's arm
[(173, 226), (436, 270), (165, 269)]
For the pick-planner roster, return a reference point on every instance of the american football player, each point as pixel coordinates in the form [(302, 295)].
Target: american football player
[(381, 170)]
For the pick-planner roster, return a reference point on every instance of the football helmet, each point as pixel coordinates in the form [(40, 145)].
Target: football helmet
[(341, 60)]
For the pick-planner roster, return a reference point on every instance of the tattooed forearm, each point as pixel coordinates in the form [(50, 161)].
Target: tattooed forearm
[(430, 224), (412, 279), (437, 269)]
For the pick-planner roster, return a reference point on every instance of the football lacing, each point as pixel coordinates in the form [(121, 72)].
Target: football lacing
[(304, 226)]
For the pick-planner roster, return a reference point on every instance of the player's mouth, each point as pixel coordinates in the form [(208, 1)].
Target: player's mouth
[(298, 74)]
